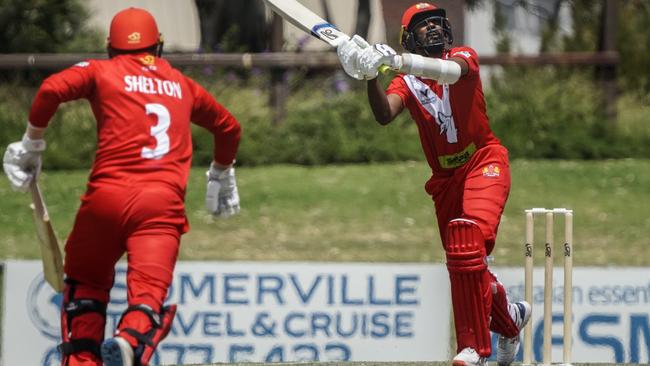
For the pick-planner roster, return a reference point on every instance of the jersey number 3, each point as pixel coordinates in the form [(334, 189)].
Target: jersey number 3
[(159, 131)]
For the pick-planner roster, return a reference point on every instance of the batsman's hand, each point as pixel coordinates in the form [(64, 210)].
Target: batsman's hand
[(222, 198), (372, 58), (349, 52), (22, 162)]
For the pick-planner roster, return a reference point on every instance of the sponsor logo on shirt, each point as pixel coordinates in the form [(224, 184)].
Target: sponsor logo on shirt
[(148, 60), (82, 64), (455, 160), (427, 96), (148, 63), (133, 38), (145, 85), (491, 171)]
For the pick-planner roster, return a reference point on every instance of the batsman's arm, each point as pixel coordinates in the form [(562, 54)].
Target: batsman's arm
[(445, 71), (385, 107), (35, 133)]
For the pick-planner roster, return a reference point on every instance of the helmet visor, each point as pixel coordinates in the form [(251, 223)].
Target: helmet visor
[(430, 31)]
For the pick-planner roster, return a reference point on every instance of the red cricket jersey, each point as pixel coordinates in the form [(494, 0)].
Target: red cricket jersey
[(451, 119), (143, 109)]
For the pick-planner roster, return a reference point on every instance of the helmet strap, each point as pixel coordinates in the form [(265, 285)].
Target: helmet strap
[(435, 50), (161, 43), (159, 49)]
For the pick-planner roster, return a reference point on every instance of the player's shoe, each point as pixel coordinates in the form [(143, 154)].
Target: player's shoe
[(507, 348), (469, 357), (117, 351)]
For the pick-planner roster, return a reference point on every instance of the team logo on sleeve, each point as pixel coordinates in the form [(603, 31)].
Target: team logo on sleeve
[(492, 171), (463, 53)]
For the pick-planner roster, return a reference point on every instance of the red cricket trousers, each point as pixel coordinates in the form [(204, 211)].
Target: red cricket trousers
[(476, 191), (143, 220)]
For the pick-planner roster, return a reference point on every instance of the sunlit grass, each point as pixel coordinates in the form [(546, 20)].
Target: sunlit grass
[(373, 213)]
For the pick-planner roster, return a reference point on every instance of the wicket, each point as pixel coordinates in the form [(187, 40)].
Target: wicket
[(548, 282)]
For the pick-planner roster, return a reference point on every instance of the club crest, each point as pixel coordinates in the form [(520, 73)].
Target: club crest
[(491, 171)]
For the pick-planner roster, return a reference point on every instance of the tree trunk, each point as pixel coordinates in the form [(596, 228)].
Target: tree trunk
[(326, 10), (363, 18), (607, 42), (208, 11), (548, 34), (232, 25)]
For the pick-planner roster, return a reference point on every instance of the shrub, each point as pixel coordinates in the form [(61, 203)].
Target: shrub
[(542, 113), (46, 26), (536, 113)]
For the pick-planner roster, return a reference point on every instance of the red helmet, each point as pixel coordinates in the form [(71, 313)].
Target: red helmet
[(133, 29), (416, 11), (416, 14)]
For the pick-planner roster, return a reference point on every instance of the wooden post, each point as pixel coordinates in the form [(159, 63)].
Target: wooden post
[(279, 90), (607, 42)]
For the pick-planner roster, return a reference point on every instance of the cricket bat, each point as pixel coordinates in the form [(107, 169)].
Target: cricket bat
[(50, 251), (306, 20)]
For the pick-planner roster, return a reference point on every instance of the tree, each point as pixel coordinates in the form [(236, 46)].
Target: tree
[(46, 26), (363, 18), (233, 26), (634, 45)]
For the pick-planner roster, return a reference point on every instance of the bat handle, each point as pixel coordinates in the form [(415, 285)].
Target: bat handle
[(396, 64)]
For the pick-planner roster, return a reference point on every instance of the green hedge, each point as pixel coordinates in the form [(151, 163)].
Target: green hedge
[(538, 113), (546, 113)]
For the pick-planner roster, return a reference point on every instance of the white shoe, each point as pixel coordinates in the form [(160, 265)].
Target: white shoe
[(117, 351), (507, 348), (469, 357)]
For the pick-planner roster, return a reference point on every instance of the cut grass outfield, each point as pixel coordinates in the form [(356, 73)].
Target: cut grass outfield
[(372, 213)]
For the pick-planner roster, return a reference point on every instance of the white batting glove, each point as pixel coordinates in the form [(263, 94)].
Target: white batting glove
[(222, 198), (372, 58), (22, 162), (349, 52)]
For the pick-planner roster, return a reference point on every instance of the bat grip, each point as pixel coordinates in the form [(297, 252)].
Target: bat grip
[(396, 64)]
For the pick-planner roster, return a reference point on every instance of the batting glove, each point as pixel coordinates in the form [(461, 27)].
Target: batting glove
[(372, 58), (222, 198), (22, 162), (349, 52)]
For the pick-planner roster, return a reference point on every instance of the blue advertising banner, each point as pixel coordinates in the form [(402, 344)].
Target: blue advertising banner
[(259, 312), (611, 313)]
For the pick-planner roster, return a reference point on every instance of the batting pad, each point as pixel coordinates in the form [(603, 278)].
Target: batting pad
[(470, 287)]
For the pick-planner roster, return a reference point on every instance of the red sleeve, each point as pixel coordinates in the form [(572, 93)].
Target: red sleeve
[(73, 83), (470, 56), (209, 114), (399, 87)]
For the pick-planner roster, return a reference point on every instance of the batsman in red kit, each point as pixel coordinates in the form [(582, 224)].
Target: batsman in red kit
[(134, 202), (470, 178)]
